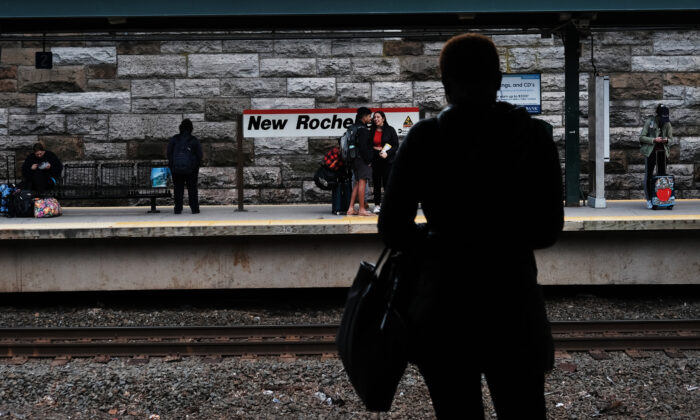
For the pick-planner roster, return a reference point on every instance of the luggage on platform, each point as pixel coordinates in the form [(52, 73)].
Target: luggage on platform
[(6, 191), (47, 207), (21, 204), (340, 196), (663, 192)]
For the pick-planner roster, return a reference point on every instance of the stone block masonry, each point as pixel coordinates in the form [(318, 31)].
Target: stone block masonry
[(123, 100)]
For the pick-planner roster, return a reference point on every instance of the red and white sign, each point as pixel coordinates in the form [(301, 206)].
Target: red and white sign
[(317, 122)]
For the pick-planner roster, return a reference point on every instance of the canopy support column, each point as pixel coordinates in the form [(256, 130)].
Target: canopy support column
[(572, 156)]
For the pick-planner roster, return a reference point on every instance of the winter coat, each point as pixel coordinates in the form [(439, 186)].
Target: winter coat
[(364, 144), (50, 157), (477, 270), (651, 131), (388, 136)]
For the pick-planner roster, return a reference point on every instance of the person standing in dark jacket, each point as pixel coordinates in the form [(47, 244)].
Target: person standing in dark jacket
[(41, 170), (475, 269), (654, 141), (180, 147), (361, 169), (385, 142)]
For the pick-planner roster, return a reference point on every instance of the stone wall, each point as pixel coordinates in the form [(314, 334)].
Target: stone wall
[(122, 100)]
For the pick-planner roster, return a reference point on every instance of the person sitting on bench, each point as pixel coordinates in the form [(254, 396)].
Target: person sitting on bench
[(41, 170)]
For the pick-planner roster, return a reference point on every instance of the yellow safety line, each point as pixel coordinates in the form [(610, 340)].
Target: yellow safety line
[(632, 218), (370, 220), (347, 220)]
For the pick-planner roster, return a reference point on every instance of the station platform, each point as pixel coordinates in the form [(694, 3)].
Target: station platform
[(135, 222), (299, 246)]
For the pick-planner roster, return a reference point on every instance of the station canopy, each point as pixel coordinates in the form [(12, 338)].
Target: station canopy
[(46, 16)]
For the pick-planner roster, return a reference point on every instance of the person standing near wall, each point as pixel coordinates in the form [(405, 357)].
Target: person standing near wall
[(184, 159), (476, 271), (654, 139), (361, 168), (385, 143)]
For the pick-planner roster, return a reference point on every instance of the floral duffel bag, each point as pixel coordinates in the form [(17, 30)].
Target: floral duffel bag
[(46, 207)]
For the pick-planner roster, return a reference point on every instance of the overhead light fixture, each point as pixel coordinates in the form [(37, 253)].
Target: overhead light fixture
[(116, 20)]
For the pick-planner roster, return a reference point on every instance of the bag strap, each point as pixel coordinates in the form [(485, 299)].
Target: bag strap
[(394, 279), (382, 257)]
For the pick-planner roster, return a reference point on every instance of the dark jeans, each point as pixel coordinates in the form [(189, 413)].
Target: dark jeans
[(517, 392), (380, 176), (656, 159), (179, 181), (40, 181)]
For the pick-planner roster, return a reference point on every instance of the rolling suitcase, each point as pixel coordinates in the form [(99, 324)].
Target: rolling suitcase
[(340, 196), (663, 193)]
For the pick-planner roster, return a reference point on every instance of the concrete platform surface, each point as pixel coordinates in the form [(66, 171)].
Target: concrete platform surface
[(299, 246), (106, 222)]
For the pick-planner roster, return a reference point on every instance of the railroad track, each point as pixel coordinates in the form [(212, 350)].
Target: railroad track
[(308, 340)]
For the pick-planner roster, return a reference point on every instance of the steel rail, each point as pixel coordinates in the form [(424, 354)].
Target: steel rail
[(160, 349), (309, 339), (627, 343), (132, 333), (665, 325), (558, 327)]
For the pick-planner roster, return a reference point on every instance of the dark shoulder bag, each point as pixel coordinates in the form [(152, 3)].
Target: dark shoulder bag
[(371, 338)]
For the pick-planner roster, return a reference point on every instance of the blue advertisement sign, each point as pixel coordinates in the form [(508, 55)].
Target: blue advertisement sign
[(522, 89)]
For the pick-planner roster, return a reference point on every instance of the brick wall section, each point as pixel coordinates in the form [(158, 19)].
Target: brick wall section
[(121, 101)]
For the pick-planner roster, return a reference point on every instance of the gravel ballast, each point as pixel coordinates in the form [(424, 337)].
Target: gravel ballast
[(655, 387), (658, 387), (158, 311)]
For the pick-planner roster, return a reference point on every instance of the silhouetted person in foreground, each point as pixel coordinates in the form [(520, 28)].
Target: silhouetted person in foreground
[(489, 182)]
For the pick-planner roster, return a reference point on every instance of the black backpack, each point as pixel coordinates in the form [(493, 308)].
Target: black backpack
[(183, 156), (21, 204), (348, 144)]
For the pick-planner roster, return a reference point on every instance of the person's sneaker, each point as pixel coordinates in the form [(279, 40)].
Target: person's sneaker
[(195, 211), (649, 205), (377, 209)]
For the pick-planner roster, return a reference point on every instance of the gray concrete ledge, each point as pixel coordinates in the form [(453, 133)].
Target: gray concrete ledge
[(306, 246), (224, 221)]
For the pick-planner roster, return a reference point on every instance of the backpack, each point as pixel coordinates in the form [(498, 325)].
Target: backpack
[(325, 178), (6, 191), (332, 159), (348, 144), (21, 204), (183, 156)]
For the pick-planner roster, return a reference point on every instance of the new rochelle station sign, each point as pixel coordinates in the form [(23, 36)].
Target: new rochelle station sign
[(317, 122)]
